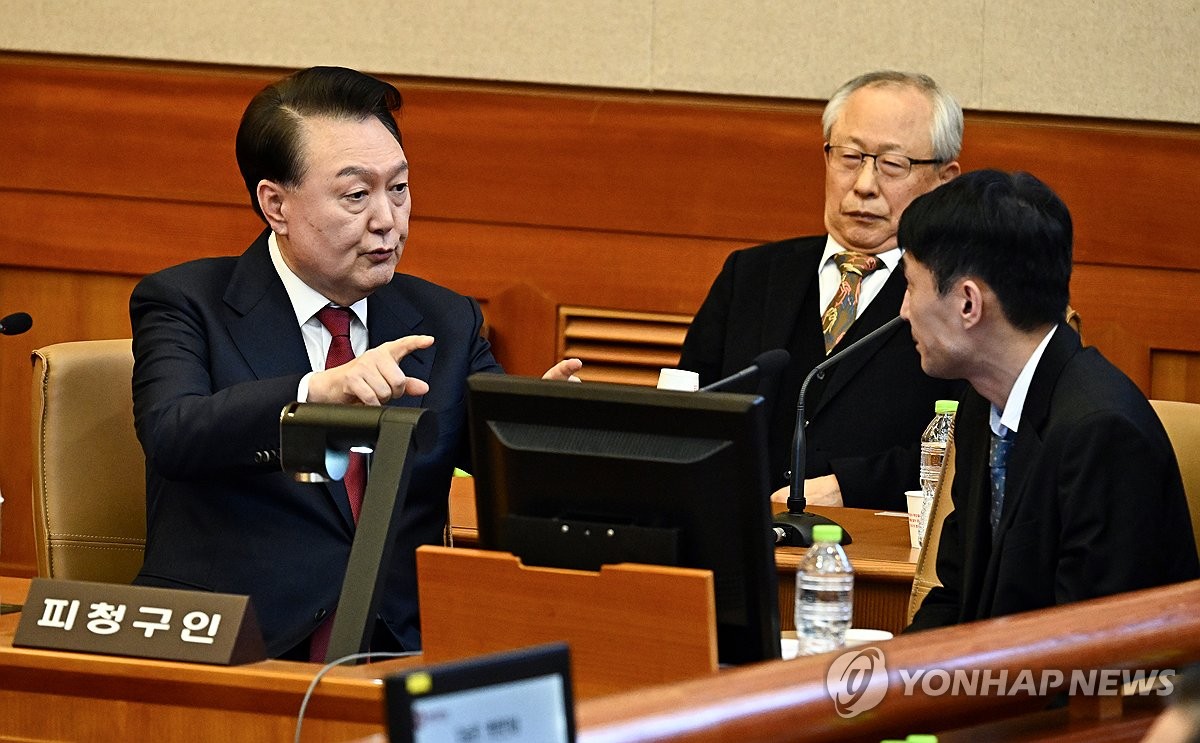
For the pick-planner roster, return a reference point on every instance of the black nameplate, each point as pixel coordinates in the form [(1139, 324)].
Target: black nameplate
[(140, 621)]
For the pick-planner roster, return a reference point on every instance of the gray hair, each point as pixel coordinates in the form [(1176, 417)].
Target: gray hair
[(947, 127)]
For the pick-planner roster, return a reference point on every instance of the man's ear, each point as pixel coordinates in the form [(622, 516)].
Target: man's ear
[(271, 198), (949, 171), (970, 296)]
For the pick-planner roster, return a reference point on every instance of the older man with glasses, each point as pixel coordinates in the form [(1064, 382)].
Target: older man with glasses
[(889, 137)]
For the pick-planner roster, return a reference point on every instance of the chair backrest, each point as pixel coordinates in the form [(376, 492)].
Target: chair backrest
[(1074, 319), (1182, 421), (89, 473)]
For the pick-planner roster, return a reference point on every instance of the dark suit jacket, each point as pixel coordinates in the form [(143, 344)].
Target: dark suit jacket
[(1094, 504), (218, 354), (866, 417)]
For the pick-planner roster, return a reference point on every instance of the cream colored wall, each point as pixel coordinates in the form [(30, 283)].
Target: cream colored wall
[(1115, 58)]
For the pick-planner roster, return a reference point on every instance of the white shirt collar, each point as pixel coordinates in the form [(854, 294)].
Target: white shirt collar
[(1010, 420), (306, 301), (829, 277), (891, 258)]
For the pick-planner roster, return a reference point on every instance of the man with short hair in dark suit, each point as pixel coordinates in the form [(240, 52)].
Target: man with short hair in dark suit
[(889, 137), (222, 344), (1066, 486)]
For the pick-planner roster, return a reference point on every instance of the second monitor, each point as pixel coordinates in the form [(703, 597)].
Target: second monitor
[(580, 475)]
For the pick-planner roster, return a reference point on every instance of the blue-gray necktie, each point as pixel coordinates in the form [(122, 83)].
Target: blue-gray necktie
[(998, 464)]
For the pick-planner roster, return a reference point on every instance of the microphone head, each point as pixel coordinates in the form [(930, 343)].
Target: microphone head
[(771, 362), (16, 323)]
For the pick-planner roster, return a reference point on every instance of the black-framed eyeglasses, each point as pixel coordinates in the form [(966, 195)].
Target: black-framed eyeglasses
[(889, 165)]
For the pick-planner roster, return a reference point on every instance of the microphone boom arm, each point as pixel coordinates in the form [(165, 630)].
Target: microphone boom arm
[(794, 526)]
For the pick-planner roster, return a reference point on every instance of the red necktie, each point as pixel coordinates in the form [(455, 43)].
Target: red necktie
[(337, 321)]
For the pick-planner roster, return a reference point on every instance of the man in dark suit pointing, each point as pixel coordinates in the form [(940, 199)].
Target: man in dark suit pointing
[(222, 344), (889, 137)]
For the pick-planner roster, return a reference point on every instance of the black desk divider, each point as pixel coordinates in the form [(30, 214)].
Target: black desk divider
[(521, 696), (140, 622), (308, 430)]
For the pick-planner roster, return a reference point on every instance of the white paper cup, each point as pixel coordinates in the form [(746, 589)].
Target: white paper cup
[(856, 636), (917, 514), (678, 379)]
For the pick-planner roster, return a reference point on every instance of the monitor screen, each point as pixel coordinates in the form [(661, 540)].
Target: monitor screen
[(580, 475), (519, 696)]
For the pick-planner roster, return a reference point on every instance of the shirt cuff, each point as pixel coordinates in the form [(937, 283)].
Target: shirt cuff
[(302, 390)]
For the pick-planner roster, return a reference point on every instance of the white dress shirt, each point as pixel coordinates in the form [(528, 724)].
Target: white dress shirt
[(1010, 419), (307, 302)]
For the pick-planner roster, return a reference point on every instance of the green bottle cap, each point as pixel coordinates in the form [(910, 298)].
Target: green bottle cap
[(921, 738), (827, 533), (945, 406)]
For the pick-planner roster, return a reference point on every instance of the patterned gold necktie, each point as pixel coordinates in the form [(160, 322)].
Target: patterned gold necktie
[(844, 306)]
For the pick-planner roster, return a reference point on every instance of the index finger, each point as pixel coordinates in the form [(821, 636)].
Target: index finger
[(402, 347)]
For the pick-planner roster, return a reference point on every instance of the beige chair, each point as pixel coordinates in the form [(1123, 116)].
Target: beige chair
[(1074, 320), (1182, 421), (89, 479)]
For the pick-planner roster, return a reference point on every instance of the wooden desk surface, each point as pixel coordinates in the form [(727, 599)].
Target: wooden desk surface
[(883, 558), (50, 695), (880, 548)]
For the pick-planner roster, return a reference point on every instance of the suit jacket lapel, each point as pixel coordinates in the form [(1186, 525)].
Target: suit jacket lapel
[(1034, 415), (786, 293), (1028, 442), (261, 309), (978, 576)]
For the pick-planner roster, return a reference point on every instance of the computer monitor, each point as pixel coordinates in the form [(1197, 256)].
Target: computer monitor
[(580, 475), (521, 695)]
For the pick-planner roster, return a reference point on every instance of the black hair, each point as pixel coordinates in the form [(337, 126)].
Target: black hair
[(1007, 229), (268, 138)]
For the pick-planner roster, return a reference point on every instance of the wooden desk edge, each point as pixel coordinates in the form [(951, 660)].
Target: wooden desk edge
[(350, 693)]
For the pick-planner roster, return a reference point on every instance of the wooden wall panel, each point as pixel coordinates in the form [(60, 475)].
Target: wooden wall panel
[(620, 346), (150, 131), (99, 233), (1133, 314), (1125, 183), (532, 199)]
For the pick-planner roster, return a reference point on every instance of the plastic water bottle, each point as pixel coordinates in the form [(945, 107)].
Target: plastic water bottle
[(933, 445), (824, 593), (933, 456)]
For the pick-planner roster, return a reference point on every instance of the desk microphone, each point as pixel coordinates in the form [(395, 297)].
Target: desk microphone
[(793, 527), (16, 323), (767, 364)]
